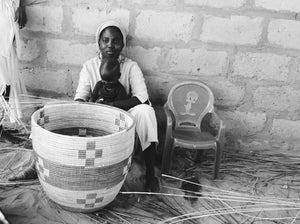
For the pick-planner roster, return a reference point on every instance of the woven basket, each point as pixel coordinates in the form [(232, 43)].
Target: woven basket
[(1, 115), (83, 153), (2, 109)]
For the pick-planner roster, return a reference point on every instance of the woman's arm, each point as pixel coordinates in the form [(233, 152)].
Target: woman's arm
[(96, 93), (132, 78), (83, 90), (137, 83)]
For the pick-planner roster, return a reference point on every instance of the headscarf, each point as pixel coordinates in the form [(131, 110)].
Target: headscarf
[(111, 23)]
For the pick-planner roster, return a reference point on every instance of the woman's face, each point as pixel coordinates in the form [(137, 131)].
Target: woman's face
[(111, 42)]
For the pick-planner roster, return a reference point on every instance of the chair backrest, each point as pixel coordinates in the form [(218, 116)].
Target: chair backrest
[(189, 102)]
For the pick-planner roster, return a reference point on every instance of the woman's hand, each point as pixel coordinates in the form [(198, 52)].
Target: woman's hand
[(101, 101), (20, 15)]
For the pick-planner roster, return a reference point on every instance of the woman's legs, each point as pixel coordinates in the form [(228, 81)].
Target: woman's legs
[(149, 154), (146, 128), (146, 124)]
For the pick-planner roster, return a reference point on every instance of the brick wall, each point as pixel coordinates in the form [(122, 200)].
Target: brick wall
[(247, 51)]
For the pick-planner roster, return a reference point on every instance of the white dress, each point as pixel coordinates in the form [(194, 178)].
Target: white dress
[(9, 46), (133, 81)]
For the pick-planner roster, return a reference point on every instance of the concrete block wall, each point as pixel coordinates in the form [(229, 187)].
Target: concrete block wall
[(246, 51)]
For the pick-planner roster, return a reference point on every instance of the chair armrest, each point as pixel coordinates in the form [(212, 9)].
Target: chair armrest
[(170, 124), (169, 115), (221, 128)]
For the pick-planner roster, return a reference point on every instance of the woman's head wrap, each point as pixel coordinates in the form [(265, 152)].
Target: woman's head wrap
[(108, 24)]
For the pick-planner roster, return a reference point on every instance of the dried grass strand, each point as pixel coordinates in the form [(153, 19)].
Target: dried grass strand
[(198, 215)]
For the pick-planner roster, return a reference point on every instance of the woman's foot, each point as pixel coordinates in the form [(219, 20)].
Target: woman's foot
[(152, 185)]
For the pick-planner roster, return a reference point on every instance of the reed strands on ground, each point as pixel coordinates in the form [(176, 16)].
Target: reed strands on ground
[(232, 195), (123, 220), (199, 215), (264, 166), (30, 101), (14, 160), (225, 206), (134, 217), (259, 200), (215, 203), (158, 207), (7, 112), (117, 213), (223, 203), (33, 98), (247, 204), (11, 149), (27, 102), (295, 218), (20, 183)]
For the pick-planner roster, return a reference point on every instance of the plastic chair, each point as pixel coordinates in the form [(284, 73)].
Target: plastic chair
[(188, 102)]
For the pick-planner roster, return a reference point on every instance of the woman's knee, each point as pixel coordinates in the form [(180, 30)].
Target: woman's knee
[(142, 110)]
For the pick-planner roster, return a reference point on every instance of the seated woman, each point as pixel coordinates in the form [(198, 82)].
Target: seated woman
[(111, 39), (109, 89)]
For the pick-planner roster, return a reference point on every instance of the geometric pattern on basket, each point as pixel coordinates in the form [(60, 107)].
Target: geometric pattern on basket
[(82, 132), (90, 201), (90, 154), (43, 169), (79, 178), (44, 119), (121, 122)]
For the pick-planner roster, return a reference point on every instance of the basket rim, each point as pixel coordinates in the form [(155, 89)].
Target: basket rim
[(33, 122)]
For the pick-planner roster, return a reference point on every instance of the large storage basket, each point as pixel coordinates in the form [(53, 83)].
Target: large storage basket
[(83, 153)]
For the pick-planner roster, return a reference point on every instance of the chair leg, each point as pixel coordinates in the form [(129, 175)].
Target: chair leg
[(218, 156), (167, 156)]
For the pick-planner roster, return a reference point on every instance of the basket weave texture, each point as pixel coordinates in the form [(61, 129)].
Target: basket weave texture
[(83, 153), (1, 114)]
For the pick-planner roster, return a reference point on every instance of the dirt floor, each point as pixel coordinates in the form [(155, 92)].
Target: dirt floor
[(254, 187)]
